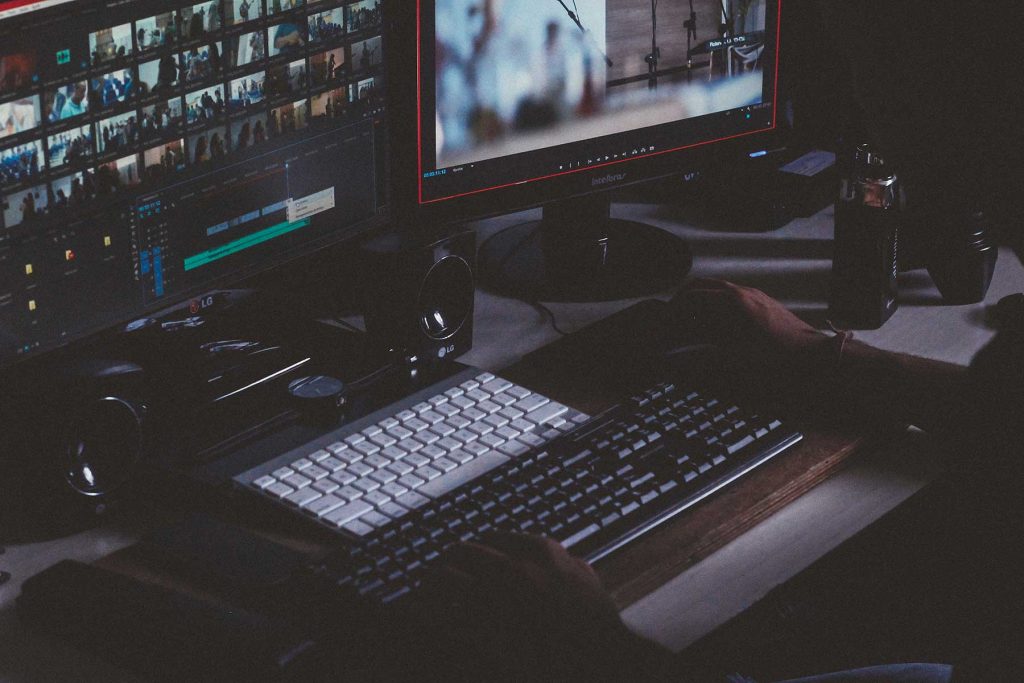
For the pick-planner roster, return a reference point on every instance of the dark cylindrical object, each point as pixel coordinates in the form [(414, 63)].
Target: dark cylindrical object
[(964, 259), (864, 266)]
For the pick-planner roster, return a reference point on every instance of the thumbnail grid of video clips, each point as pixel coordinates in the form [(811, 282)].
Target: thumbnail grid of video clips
[(193, 86)]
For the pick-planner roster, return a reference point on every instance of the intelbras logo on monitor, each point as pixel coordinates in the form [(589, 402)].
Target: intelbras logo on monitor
[(608, 179)]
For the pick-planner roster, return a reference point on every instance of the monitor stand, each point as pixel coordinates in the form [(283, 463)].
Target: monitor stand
[(577, 252)]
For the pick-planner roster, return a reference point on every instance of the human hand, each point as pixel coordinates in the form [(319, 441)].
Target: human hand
[(745, 319), (528, 610)]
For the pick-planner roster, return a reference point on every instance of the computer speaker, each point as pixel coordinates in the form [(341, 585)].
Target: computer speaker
[(71, 445), (418, 294)]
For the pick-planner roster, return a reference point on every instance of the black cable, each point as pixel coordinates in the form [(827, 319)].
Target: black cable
[(551, 317)]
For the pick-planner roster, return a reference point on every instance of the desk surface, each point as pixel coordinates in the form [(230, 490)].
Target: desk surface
[(793, 265)]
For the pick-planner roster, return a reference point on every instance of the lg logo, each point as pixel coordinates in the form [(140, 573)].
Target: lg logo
[(445, 350)]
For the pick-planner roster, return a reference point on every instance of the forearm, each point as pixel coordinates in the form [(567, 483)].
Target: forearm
[(881, 385)]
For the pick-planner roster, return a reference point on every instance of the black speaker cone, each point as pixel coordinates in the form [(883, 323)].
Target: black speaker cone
[(103, 445), (446, 298)]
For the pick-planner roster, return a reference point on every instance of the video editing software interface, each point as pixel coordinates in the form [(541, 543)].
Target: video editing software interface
[(524, 90), (151, 149)]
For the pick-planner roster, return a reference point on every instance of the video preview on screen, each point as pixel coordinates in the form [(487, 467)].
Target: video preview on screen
[(520, 75)]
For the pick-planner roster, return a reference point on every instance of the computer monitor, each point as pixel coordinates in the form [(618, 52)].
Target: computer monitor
[(522, 103), (151, 151)]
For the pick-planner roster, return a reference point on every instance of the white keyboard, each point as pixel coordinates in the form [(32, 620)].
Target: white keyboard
[(376, 470)]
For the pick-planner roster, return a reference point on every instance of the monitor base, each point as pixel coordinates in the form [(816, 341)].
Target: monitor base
[(578, 253)]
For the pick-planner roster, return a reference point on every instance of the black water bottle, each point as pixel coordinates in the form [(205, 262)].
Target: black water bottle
[(864, 263)]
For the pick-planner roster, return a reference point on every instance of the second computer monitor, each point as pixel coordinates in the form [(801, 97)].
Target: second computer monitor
[(523, 103)]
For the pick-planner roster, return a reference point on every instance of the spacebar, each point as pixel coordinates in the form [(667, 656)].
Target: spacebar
[(462, 475)]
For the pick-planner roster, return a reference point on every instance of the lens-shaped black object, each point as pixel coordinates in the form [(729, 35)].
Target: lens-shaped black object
[(446, 298), (104, 442)]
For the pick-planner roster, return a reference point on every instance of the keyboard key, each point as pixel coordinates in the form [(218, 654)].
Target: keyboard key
[(489, 407), (375, 519), (462, 475), (264, 482), (519, 392), (346, 513), (547, 412), (324, 504), (279, 490), (531, 403), (477, 395), (504, 399), (437, 400), (354, 439), (531, 439), (349, 456), (366, 485), (445, 465), (496, 421), (410, 445), (474, 414), (469, 385), (433, 452), (491, 441), (432, 417), (359, 469), (514, 448), (316, 473), (413, 500), (416, 425), (454, 392), (384, 476), (405, 415), (421, 407), (581, 535), (484, 377), (297, 481), (302, 497), (447, 409), (371, 431), (460, 456), (462, 402), (285, 472), (411, 481), (393, 489), (367, 448), (332, 464), (507, 432), (393, 510), (302, 464), (376, 498), (384, 440), (377, 461), (400, 467), (344, 477), (427, 438), (443, 429), (427, 472), (496, 385), (399, 433), (475, 448), (349, 493), (522, 425), (416, 460), (358, 528), (449, 444), (510, 413), (458, 421), (326, 486)]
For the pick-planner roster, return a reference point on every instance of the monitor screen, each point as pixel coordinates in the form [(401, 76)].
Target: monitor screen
[(555, 97), (150, 151)]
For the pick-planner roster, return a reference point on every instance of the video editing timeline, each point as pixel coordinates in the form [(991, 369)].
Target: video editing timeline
[(103, 104), (190, 233), (524, 91)]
